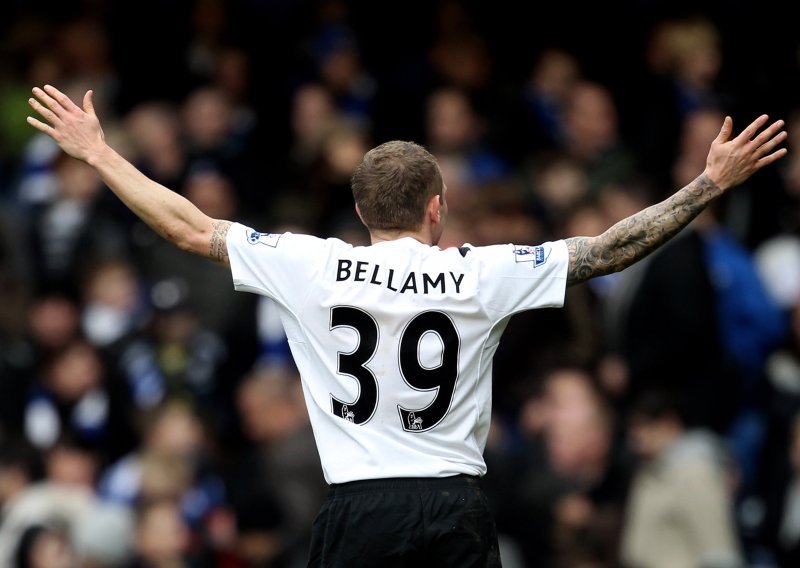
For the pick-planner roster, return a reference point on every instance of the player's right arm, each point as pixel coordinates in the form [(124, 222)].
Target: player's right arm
[(77, 131), (729, 163)]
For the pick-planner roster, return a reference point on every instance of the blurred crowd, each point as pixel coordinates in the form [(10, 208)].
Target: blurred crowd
[(152, 417)]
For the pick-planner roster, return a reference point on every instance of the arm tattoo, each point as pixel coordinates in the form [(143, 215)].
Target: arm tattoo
[(219, 248), (631, 239)]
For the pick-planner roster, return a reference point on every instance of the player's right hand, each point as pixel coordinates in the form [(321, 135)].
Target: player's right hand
[(76, 130)]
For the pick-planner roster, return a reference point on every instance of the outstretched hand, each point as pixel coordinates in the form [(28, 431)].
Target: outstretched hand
[(730, 162), (76, 130)]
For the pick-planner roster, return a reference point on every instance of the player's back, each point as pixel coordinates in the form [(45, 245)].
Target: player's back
[(394, 342)]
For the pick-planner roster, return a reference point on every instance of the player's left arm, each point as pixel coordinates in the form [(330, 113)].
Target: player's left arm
[(729, 163)]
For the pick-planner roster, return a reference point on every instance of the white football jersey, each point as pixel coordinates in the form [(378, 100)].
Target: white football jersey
[(394, 341)]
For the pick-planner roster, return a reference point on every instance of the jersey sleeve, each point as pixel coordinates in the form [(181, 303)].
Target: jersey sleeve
[(273, 264), (516, 278)]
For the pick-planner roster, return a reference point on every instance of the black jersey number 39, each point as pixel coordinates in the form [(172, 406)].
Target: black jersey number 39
[(441, 378)]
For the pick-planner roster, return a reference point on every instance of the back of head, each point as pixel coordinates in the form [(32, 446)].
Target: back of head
[(393, 184)]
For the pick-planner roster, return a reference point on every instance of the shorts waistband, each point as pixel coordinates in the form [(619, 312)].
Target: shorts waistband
[(404, 484)]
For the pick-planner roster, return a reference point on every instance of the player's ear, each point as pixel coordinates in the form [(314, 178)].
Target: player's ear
[(435, 208), (360, 217)]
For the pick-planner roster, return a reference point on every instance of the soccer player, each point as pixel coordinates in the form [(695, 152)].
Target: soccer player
[(394, 341)]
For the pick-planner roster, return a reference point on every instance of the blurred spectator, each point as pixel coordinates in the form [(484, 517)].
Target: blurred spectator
[(113, 305), (680, 508), (154, 133), (162, 536), (73, 398), (556, 184), (547, 91), (460, 58), (53, 323), (568, 478), (340, 69), (59, 502), (684, 59), (213, 138), (26, 59), (260, 540), (173, 461), (208, 23), (280, 466), (312, 114), (456, 131), (505, 217), (19, 468), (174, 356), (786, 508), (774, 530), (329, 205), (44, 546), (531, 120), (85, 51), (73, 229), (592, 137), (232, 75)]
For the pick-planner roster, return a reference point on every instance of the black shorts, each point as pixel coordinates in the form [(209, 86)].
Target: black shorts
[(414, 522)]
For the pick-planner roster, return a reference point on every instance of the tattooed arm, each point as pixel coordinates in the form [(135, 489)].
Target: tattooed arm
[(77, 131), (729, 163)]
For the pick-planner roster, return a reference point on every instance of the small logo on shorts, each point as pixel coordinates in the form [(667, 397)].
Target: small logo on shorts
[(348, 414)]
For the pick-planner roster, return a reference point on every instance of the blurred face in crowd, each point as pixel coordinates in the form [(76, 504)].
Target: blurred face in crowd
[(451, 123), (176, 432), (591, 120), (77, 180), (270, 406), (650, 437), (47, 548), (75, 372), (212, 193), (577, 432), (53, 322), (312, 112), (207, 118), (162, 535), (71, 466)]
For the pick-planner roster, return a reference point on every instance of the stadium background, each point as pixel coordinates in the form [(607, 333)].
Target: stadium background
[(148, 413)]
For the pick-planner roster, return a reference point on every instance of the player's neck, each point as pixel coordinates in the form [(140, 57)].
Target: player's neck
[(383, 236)]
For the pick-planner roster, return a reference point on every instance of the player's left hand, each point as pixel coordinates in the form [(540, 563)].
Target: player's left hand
[(731, 162)]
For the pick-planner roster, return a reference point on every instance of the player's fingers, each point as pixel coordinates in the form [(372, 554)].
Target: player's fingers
[(725, 131), (768, 133), (48, 114), (65, 102), (771, 144), (47, 101), (41, 126), (88, 103), (776, 155), (748, 133)]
